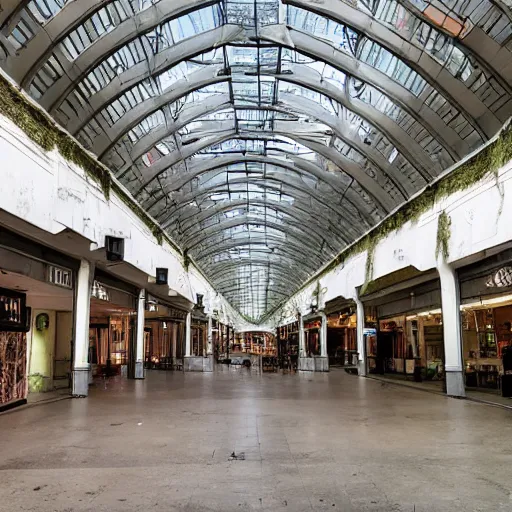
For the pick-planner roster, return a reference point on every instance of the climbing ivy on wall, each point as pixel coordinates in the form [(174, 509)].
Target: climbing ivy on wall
[(443, 235), (46, 134), (41, 129), (485, 163)]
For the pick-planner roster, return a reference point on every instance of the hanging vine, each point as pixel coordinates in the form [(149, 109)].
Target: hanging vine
[(444, 223), (369, 265)]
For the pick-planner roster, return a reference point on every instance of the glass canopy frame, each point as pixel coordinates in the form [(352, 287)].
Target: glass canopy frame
[(263, 135)]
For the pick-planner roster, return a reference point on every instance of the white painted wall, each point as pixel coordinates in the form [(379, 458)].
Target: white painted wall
[(47, 192), (481, 219)]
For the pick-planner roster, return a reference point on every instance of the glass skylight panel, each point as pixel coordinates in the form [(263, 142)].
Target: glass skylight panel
[(49, 73), (436, 43), (482, 13), (21, 34), (340, 36), (100, 23)]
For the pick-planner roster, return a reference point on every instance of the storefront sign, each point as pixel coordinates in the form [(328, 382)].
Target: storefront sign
[(99, 291), (59, 276)]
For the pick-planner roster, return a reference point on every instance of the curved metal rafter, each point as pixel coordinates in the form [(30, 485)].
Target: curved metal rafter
[(299, 248), (291, 229), (225, 268), (400, 43), (330, 154), (407, 146), (323, 52), (262, 248), (305, 217), (288, 104), (222, 162), (77, 13), (350, 230)]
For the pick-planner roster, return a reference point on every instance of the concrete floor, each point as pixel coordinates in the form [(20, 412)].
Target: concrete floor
[(311, 442)]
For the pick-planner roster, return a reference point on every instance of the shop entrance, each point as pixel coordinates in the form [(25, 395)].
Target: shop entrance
[(288, 346), (36, 357), (342, 338), (486, 320), (111, 333), (408, 342), (164, 345)]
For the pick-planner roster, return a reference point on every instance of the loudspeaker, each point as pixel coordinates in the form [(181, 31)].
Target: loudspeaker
[(162, 275), (115, 248)]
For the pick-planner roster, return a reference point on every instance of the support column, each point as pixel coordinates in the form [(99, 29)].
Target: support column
[(139, 336), (322, 362), (361, 345), (188, 335), (81, 366), (302, 338), (208, 361), (323, 335), (209, 347), (450, 300)]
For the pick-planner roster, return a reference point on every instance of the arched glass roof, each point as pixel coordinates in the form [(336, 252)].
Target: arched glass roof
[(267, 135)]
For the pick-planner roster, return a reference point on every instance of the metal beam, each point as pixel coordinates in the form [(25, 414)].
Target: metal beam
[(350, 168), (220, 248), (221, 162), (74, 14), (309, 220), (291, 229), (453, 89)]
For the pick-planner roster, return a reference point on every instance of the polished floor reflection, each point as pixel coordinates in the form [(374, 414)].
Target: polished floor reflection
[(242, 441)]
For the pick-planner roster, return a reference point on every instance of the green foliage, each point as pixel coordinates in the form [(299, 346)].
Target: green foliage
[(486, 162), (46, 134), (444, 223)]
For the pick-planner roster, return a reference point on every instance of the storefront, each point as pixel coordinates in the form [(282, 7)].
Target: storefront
[(164, 336), (14, 324), (288, 346), (255, 343), (111, 325), (36, 319), (408, 341), (314, 356), (341, 333), (222, 339), (486, 320)]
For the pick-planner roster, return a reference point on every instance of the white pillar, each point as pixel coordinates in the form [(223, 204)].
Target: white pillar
[(361, 345), (209, 349), (450, 299), (323, 335), (139, 333), (302, 338), (81, 366), (188, 335)]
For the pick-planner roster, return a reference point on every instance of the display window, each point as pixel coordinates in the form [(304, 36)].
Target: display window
[(257, 343), (111, 333), (288, 346), (342, 338), (486, 335), (312, 337), (163, 344), (410, 344), (199, 338)]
